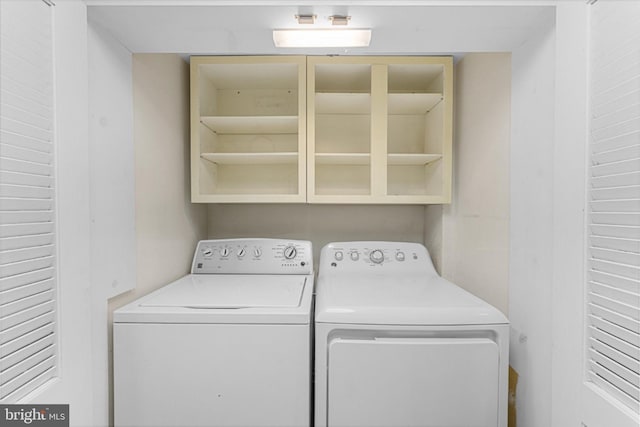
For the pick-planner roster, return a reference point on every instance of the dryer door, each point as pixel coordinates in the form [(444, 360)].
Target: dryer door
[(443, 382)]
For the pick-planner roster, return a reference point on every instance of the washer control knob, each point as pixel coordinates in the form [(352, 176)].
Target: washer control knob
[(376, 256), (290, 252), (355, 256), (338, 255), (400, 256), (207, 252), (257, 252), (242, 252), (225, 252)]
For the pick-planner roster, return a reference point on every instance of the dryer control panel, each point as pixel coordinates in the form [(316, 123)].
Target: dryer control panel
[(383, 257), (253, 256)]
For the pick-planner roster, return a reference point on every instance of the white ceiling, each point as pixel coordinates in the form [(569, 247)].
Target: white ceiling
[(220, 28)]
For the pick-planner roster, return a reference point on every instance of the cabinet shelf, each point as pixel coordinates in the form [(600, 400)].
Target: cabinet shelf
[(413, 103), (251, 125), (343, 158), (343, 103), (251, 158), (412, 159)]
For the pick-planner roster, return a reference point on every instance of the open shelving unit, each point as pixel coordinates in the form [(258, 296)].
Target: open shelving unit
[(248, 121), (379, 129), (419, 130), (339, 131), (321, 129)]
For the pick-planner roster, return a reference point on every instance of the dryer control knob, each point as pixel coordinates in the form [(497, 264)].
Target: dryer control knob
[(376, 256), (400, 256), (241, 253), (257, 252), (225, 252), (338, 256), (355, 256), (290, 252)]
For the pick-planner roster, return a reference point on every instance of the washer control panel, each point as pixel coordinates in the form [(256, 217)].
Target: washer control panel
[(381, 256), (253, 256)]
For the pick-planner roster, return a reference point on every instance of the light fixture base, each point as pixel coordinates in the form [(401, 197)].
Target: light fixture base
[(306, 19), (325, 37), (339, 19)]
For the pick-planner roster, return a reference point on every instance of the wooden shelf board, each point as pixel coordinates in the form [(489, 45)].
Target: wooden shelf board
[(251, 158), (251, 125), (412, 103), (412, 159)]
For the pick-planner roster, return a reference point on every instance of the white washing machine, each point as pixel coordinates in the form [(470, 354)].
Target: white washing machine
[(227, 345), (397, 345)]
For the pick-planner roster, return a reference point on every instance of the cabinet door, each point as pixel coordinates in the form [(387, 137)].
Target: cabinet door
[(248, 129), (443, 382), (379, 129)]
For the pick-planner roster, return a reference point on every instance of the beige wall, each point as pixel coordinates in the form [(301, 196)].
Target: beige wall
[(468, 239), (475, 244), (168, 225), (320, 224)]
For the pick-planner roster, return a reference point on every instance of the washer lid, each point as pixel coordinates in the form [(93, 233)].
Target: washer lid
[(400, 300), (230, 299), (230, 291)]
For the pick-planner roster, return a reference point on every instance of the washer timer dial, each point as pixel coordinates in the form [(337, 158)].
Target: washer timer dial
[(290, 252)]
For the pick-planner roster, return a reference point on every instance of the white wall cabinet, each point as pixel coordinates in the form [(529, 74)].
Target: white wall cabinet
[(322, 129)]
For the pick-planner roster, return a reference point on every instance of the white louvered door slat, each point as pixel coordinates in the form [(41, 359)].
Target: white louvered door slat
[(616, 368), (10, 342), (613, 280), (627, 245), (28, 290), (614, 354)]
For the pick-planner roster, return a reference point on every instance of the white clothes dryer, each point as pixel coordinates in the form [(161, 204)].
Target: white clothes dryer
[(227, 345), (397, 345)]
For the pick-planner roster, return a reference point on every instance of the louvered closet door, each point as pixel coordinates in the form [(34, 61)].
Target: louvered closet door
[(612, 388), (28, 351)]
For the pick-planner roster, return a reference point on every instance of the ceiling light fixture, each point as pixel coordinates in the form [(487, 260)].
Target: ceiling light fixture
[(322, 37), (325, 37)]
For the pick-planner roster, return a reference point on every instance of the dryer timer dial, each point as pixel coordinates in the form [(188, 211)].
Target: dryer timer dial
[(376, 256)]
